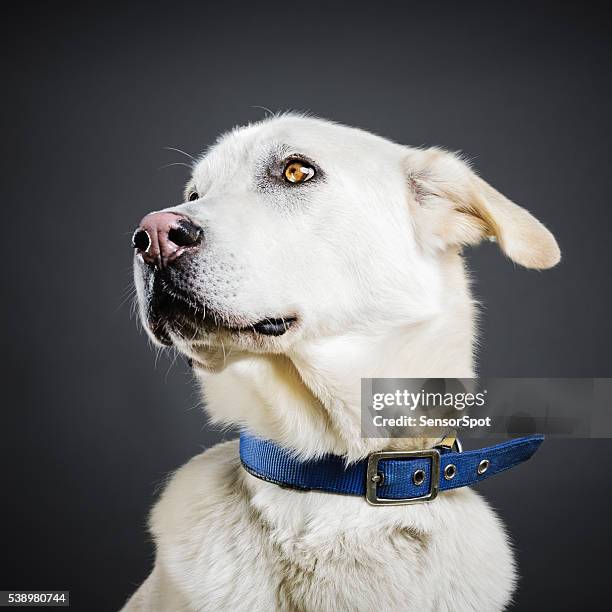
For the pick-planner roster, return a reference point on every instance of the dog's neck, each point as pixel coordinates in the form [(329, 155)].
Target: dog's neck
[(309, 399)]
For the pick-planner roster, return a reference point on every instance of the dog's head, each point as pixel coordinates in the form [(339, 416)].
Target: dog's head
[(308, 254), (296, 228)]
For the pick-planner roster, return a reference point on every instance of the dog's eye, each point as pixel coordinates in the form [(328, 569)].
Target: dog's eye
[(193, 196), (298, 171)]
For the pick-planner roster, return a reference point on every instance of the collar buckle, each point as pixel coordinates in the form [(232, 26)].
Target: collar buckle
[(373, 477)]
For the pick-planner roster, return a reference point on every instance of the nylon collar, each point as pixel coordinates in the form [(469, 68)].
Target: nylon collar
[(385, 478)]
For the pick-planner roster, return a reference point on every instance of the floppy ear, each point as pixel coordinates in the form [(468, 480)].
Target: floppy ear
[(454, 207)]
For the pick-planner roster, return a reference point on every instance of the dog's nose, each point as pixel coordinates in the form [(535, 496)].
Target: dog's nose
[(162, 237)]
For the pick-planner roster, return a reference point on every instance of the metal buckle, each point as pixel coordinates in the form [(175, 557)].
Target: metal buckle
[(373, 478)]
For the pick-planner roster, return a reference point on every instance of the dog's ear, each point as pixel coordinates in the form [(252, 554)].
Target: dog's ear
[(454, 207)]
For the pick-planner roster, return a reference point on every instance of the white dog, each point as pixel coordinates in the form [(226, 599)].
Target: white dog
[(306, 256)]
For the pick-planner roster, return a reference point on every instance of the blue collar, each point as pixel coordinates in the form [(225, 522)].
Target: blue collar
[(385, 478)]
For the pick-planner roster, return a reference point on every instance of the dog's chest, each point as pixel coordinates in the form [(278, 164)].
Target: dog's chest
[(228, 541)]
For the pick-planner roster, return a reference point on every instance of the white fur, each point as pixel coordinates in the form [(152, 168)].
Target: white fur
[(369, 260)]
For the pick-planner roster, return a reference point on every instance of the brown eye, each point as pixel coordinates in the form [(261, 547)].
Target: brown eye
[(298, 171), (193, 196)]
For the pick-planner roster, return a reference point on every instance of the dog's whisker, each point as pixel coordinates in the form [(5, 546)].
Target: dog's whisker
[(181, 151), (264, 108), (134, 306), (129, 294), (176, 164), (176, 354)]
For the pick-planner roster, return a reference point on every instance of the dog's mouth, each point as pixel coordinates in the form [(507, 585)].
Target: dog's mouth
[(172, 312), (271, 326)]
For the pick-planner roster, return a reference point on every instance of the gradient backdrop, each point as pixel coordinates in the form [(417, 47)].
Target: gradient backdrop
[(92, 422)]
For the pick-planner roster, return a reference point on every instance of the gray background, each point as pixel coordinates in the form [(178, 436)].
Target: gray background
[(91, 423)]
